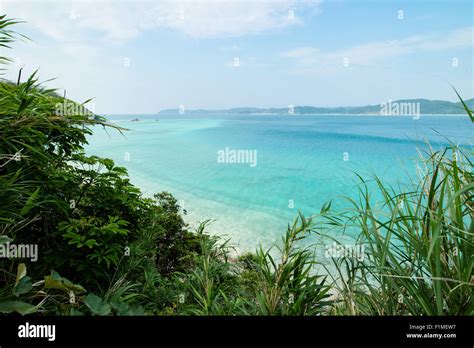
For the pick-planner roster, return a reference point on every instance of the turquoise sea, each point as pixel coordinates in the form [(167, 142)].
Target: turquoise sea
[(301, 162)]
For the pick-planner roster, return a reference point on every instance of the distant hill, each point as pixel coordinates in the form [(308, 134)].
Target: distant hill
[(396, 107)]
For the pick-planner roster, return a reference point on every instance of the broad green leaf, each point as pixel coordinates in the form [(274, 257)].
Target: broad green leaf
[(17, 306), (55, 281), (5, 239), (23, 286), (21, 272), (75, 312), (97, 305)]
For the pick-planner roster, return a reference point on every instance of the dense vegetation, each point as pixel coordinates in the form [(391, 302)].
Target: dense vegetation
[(105, 249)]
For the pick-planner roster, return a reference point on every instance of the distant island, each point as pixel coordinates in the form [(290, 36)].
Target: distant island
[(396, 107)]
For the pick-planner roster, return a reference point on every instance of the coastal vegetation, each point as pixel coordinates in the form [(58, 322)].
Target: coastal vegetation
[(105, 249)]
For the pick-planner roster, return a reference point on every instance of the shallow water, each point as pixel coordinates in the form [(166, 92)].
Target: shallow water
[(301, 162)]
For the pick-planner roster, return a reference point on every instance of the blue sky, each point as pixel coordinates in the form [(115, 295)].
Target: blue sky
[(141, 57)]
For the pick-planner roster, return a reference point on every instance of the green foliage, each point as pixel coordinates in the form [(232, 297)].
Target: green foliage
[(259, 284), (55, 281), (419, 244), (21, 296), (97, 305), (101, 242), (289, 286), (17, 306), (206, 284), (175, 245)]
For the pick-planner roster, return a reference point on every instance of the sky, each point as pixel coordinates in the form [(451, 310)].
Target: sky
[(145, 56)]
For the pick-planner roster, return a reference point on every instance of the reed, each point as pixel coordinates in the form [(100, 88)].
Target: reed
[(419, 243)]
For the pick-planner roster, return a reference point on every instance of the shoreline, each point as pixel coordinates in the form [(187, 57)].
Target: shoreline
[(150, 117), (242, 240), (228, 226)]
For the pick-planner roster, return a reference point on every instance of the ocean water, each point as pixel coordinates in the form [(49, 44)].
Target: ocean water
[(301, 163)]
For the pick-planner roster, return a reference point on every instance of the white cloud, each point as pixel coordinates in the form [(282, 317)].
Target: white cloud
[(123, 20), (311, 58), (463, 37)]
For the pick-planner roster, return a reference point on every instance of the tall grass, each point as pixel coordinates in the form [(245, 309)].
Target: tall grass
[(419, 245), (268, 282), (288, 286), (208, 282)]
